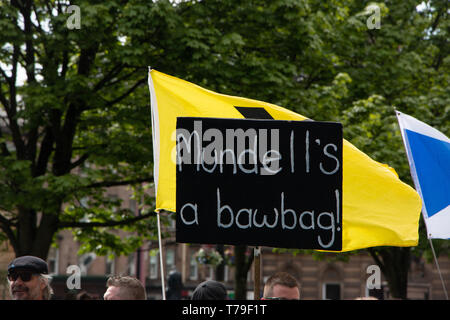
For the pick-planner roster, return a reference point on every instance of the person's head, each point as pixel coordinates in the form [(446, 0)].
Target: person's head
[(124, 288), (281, 286), (175, 280), (28, 279), (83, 295), (366, 298), (210, 290)]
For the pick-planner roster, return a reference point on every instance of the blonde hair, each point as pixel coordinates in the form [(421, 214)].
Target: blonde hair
[(48, 291), (280, 278), (130, 287)]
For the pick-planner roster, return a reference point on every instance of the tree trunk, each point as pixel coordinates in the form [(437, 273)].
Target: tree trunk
[(33, 239), (44, 235), (220, 269), (242, 266), (26, 231)]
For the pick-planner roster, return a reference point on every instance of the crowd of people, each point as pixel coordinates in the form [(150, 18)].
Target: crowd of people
[(28, 279)]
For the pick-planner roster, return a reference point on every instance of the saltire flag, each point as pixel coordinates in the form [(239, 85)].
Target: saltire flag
[(378, 208), (428, 152)]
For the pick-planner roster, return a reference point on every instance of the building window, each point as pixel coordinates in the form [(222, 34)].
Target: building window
[(170, 260), (209, 272), (172, 222), (52, 261), (153, 266), (114, 198), (193, 267), (131, 265), (85, 262), (133, 206), (226, 272), (110, 266), (331, 291)]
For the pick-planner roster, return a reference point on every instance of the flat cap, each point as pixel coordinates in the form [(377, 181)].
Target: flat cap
[(29, 263), (210, 290)]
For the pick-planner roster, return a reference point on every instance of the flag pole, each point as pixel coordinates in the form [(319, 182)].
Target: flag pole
[(163, 288), (439, 270), (257, 269)]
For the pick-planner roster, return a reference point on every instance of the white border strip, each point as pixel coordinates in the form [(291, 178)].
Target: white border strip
[(412, 124), (155, 129), (412, 166), (430, 223)]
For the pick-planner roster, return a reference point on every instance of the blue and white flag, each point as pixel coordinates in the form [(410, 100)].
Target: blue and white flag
[(428, 152)]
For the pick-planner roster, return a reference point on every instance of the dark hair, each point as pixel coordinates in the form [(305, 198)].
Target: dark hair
[(83, 295), (210, 290)]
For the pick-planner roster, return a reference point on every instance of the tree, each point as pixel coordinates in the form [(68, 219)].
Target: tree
[(73, 126)]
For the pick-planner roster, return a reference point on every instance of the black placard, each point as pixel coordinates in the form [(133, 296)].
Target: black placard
[(259, 182)]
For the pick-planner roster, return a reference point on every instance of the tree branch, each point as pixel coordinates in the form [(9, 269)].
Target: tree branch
[(5, 221), (8, 79), (111, 74), (375, 257), (76, 105), (38, 18), (128, 92), (3, 99), (44, 153), (111, 223), (5, 225), (29, 46), (80, 160), (435, 23), (3, 147), (249, 262), (11, 106), (124, 77)]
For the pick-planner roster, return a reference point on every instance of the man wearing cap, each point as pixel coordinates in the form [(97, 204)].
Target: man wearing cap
[(28, 279)]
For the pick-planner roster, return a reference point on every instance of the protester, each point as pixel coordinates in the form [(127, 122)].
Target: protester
[(28, 279), (281, 286), (210, 290), (124, 288), (175, 286), (83, 295)]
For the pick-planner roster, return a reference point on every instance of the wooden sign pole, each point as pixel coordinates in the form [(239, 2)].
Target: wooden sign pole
[(163, 288), (257, 279)]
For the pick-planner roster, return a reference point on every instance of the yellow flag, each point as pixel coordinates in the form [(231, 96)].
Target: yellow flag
[(378, 208)]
